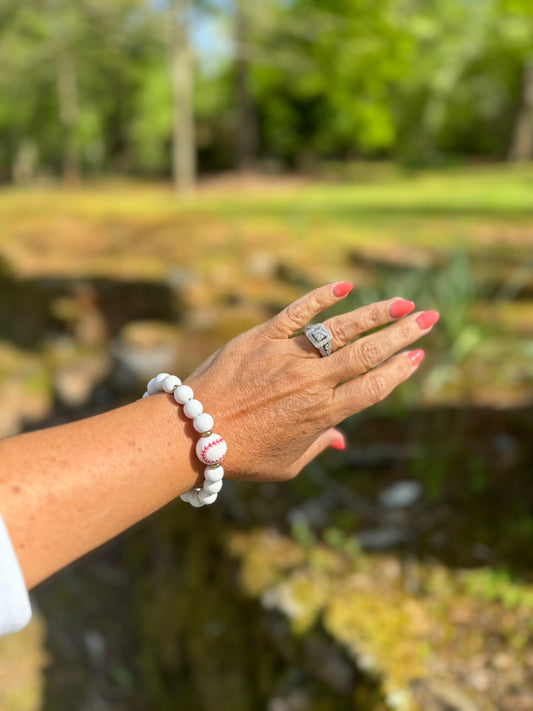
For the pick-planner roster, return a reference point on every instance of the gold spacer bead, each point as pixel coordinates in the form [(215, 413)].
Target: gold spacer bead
[(206, 434)]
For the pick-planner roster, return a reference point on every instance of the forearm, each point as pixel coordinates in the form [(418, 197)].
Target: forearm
[(66, 490)]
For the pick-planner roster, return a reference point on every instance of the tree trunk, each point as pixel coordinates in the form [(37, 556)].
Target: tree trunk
[(246, 120), (66, 77), (182, 76), (522, 140), (67, 92)]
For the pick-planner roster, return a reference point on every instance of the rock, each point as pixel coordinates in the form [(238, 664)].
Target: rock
[(143, 349), (74, 383), (376, 539), (325, 661), (313, 512), (96, 648), (443, 695), (262, 264), (294, 701), (401, 494)]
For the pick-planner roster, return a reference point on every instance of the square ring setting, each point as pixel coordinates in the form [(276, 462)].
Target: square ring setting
[(320, 337)]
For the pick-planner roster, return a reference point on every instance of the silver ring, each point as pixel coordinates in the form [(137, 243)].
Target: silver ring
[(320, 337)]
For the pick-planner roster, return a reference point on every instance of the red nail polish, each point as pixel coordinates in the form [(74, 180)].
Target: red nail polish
[(339, 444), (416, 357), (343, 288), (401, 308), (427, 319)]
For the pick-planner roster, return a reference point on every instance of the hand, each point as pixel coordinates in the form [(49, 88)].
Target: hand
[(276, 401)]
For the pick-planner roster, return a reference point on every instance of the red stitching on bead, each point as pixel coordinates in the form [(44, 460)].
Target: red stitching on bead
[(212, 444)]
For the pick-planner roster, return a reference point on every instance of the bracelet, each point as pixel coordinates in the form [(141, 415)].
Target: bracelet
[(210, 449)]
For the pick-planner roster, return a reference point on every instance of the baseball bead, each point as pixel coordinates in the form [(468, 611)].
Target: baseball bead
[(212, 449)]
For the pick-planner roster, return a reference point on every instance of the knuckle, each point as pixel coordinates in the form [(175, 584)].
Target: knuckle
[(340, 334), (295, 314), (368, 354), (406, 332), (376, 388), (375, 314)]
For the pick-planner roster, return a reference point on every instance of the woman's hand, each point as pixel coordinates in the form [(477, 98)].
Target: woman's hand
[(276, 401)]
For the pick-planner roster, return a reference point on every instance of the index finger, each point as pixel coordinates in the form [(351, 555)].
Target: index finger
[(298, 314)]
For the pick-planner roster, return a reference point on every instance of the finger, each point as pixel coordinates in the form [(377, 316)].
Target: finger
[(345, 327), (372, 350), (331, 438), (370, 388), (298, 314)]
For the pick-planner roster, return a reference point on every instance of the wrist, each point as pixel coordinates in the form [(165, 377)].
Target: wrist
[(210, 448)]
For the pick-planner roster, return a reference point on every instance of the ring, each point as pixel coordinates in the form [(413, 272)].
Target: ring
[(320, 337)]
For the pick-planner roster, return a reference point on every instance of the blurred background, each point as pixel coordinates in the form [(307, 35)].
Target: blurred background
[(175, 171)]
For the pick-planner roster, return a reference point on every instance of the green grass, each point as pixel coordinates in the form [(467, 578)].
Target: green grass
[(131, 229)]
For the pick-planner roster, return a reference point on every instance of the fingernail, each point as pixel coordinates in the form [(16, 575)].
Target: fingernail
[(343, 288), (427, 319), (401, 308), (416, 357), (339, 444)]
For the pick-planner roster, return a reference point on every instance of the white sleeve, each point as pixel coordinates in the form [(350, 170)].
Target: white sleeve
[(15, 609)]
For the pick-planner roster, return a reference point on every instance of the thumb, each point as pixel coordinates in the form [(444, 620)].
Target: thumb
[(331, 438)]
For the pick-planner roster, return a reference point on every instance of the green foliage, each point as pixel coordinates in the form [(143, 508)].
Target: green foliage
[(422, 82)]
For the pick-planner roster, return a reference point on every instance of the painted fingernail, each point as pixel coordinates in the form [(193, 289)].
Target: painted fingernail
[(339, 444), (427, 319), (416, 357), (343, 288), (401, 308)]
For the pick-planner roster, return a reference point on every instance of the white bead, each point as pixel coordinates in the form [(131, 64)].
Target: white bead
[(170, 383), (203, 422), (212, 487), (213, 474), (207, 498), (160, 377), (192, 408), (182, 394), (152, 387), (196, 501), (146, 394), (187, 496), (211, 450)]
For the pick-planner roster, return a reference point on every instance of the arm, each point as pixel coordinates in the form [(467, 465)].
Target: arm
[(66, 490)]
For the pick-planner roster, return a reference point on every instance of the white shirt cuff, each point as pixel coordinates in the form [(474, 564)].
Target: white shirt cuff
[(15, 609)]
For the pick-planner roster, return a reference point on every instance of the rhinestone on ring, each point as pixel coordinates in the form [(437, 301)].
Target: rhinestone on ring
[(320, 337)]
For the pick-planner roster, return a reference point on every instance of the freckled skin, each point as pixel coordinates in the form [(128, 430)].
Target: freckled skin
[(65, 490)]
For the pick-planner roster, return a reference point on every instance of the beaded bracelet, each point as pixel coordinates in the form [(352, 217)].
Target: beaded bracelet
[(210, 449)]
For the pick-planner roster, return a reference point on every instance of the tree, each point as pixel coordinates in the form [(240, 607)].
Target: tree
[(182, 75), (522, 139), (246, 126)]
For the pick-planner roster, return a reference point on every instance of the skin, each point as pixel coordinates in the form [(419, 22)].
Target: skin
[(66, 490)]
